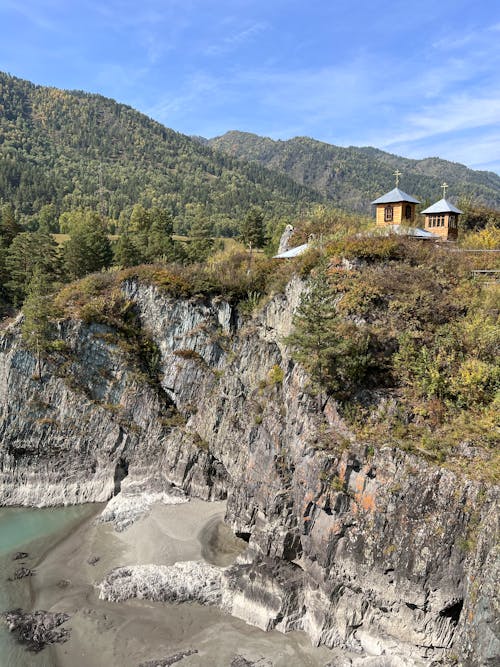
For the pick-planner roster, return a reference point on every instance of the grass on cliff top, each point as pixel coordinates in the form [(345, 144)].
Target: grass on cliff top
[(233, 275)]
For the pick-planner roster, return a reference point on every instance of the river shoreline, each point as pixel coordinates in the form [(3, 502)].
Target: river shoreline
[(127, 634)]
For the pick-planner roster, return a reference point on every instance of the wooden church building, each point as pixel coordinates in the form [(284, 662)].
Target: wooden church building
[(442, 218), (395, 207)]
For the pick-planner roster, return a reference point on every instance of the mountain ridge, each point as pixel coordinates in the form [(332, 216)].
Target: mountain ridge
[(80, 150), (330, 169), (83, 150)]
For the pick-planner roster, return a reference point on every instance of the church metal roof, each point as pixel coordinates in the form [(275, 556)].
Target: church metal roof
[(416, 232), (395, 196), (402, 230), (293, 252), (442, 206)]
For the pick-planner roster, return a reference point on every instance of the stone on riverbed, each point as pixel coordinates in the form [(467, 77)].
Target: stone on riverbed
[(166, 662), (37, 629), (21, 573), (240, 661)]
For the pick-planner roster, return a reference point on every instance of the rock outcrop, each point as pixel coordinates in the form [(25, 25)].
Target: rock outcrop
[(376, 549), (182, 582), (37, 629)]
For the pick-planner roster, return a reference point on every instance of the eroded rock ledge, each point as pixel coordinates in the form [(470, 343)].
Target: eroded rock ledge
[(374, 550)]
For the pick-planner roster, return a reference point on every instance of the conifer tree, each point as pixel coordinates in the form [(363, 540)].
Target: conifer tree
[(201, 245), (88, 249), (35, 328), (9, 227), (315, 328), (159, 238), (252, 229), (160, 244), (3, 268), (47, 219), (332, 350), (139, 220), (126, 252), (27, 251)]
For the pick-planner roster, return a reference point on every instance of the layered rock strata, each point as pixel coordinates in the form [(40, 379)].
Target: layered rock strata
[(376, 550)]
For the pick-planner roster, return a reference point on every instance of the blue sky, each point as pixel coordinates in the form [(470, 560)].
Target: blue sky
[(414, 78)]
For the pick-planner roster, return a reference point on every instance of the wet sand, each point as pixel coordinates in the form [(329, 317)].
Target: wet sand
[(126, 634)]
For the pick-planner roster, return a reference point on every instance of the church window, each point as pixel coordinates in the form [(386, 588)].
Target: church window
[(388, 214), (408, 212)]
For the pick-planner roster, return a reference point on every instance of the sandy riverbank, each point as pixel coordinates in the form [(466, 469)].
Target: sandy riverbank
[(125, 635)]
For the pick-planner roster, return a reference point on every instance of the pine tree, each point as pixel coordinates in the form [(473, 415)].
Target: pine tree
[(4, 276), (28, 251), (201, 245), (47, 219), (9, 227), (36, 327), (160, 244), (126, 252), (252, 229), (88, 249), (333, 351), (159, 241), (315, 328), (139, 220)]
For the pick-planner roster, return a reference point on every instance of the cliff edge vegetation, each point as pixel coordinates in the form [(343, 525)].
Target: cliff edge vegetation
[(401, 334)]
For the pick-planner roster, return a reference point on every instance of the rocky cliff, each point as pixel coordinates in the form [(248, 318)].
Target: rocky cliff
[(373, 549)]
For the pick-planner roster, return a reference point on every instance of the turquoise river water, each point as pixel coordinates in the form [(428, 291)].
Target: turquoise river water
[(33, 531)]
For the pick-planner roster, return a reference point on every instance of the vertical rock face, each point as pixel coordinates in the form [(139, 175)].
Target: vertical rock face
[(373, 550)]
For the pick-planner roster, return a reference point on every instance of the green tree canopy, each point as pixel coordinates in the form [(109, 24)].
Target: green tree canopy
[(126, 252), (9, 227), (201, 244), (47, 219), (37, 309), (28, 251), (252, 229), (332, 350), (4, 276), (88, 249)]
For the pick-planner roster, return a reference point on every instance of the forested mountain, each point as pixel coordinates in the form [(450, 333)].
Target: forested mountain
[(75, 149), (352, 177), (78, 150)]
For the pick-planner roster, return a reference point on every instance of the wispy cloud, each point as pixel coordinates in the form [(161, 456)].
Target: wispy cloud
[(35, 15), (197, 90), (118, 77), (235, 39), (463, 112)]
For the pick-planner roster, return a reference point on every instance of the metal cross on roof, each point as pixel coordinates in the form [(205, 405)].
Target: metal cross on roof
[(397, 174), (444, 186)]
